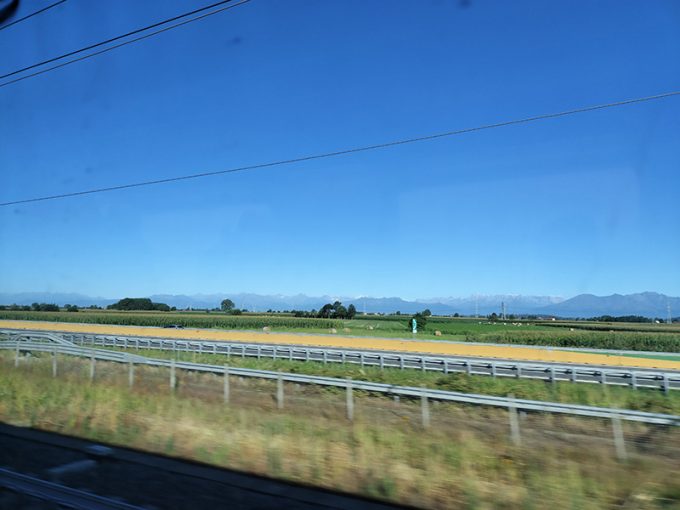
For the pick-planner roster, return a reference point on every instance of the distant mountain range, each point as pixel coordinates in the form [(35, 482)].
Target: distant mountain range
[(648, 304)]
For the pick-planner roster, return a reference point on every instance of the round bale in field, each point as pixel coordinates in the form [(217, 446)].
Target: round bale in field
[(437, 333), (266, 329)]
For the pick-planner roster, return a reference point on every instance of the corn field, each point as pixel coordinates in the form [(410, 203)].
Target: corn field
[(166, 319)]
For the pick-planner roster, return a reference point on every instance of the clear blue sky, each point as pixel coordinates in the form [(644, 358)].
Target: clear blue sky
[(589, 203)]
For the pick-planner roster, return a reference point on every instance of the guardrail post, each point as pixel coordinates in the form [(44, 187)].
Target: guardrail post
[(574, 377), (54, 362), (131, 374), (619, 442), (228, 351), (425, 410), (468, 367), (125, 343), (350, 400), (306, 354), (552, 375), (493, 369), (173, 379), (214, 348), (226, 384), (382, 361), (259, 351), (446, 366), (361, 359), (633, 380), (514, 421), (401, 362), (137, 344), (243, 351), (666, 385), (274, 353), (603, 377), (422, 363), (518, 371), (279, 391), (92, 367), (290, 354), (325, 357)]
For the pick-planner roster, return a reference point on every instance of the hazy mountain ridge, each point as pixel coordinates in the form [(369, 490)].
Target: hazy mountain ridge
[(649, 304)]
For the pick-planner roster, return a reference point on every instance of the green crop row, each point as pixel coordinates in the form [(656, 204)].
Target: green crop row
[(205, 321), (622, 340)]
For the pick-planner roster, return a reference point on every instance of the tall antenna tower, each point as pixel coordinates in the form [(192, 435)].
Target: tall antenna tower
[(503, 310)]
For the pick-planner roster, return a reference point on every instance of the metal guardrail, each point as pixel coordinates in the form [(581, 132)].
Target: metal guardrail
[(543, 371), (58, 494), (406, 391)]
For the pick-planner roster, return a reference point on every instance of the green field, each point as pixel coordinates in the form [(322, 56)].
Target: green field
[(663, 338)]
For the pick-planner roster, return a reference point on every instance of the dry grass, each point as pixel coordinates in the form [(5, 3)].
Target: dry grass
[(463, 460), (415, 346)]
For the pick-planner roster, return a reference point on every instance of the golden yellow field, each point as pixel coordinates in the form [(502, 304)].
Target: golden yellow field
[(424, 346)]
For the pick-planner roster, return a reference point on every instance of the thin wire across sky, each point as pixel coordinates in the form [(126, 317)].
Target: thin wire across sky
[(28, 16), (218, 7), (354, 150)]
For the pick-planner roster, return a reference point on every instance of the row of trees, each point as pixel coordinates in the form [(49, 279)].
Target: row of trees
[(38, 307), (623, 318)]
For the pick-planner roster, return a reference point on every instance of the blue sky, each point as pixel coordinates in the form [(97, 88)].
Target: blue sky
[(587, 203)]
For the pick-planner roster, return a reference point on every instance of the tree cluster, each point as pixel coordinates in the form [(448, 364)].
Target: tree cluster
[(44, 307), (138, 304), (336, 311), (421, 319), (227, 306)]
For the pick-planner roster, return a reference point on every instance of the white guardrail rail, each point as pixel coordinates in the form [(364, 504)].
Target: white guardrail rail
[(644, 378), (48, 346)]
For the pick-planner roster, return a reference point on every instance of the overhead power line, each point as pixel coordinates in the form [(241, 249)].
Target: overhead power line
[(354, 150), (31, 15), (119, 37)]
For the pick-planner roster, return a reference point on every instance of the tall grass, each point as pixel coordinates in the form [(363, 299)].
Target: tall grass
[(464, 460), (642, 399)]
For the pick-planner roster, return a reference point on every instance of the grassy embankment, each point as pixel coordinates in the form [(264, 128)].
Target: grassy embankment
[(660, 339), (464, 460), (650, 400)]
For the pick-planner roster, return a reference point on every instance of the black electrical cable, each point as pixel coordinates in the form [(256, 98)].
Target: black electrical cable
[(113, 39), (31, 15), (350, 151)]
